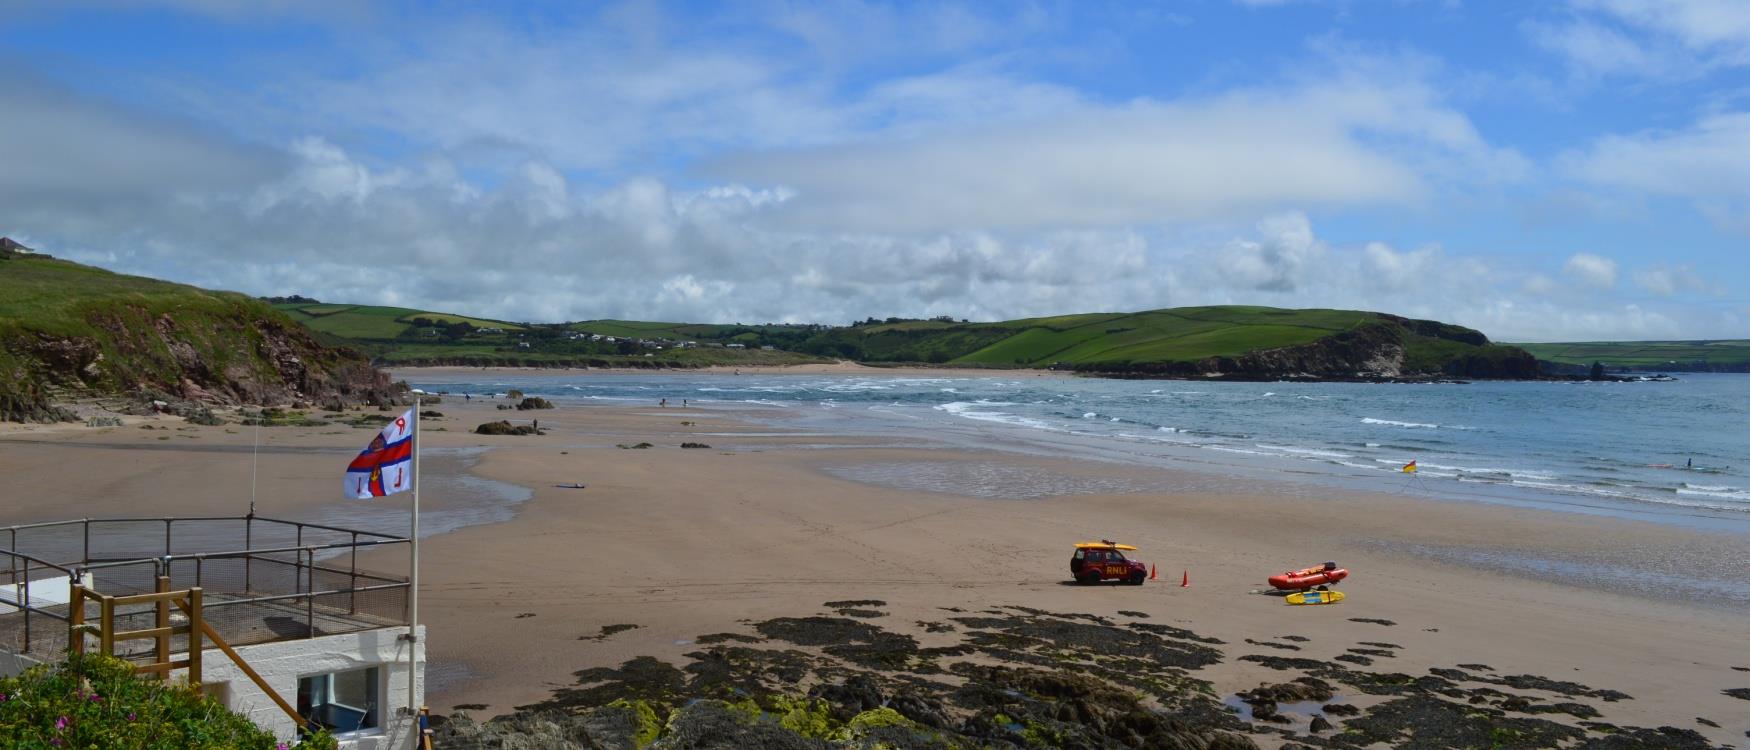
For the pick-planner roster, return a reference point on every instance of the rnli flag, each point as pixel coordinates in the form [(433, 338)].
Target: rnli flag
[(1410, 468), (386, 465)]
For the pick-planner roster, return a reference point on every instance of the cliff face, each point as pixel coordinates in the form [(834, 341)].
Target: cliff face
[(75, 331), (1388, 348)]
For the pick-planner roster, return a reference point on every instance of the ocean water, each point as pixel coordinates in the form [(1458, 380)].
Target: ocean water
[(1672, 451)]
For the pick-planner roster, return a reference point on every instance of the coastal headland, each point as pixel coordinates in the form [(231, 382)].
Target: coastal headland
[(753, 568)]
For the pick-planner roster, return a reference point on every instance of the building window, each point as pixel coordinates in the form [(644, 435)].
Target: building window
[(341, 701)]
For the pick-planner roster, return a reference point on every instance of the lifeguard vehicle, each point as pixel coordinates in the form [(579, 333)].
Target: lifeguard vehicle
[(1098, 562)]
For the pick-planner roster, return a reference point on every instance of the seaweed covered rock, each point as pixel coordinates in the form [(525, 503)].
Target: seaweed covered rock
[(533, 402), (503, 427)]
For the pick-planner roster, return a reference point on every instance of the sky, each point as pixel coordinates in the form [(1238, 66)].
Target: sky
[(1561, 170)]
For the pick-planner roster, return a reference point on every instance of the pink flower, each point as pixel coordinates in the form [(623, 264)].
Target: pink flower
[(61, 723), (281, 746), (95, 698), (130, 716)]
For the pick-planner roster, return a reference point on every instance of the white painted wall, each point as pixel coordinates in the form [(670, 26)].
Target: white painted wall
[(281, 664)]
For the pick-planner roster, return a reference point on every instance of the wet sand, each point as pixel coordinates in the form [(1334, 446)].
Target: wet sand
[(685, 542)]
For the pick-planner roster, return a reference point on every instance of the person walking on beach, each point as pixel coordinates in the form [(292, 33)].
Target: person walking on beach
[(663, 402)]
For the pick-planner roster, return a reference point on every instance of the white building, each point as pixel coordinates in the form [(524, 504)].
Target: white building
[(328, 641)]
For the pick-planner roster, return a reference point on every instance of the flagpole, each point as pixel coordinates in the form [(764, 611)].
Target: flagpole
[(413, 587)]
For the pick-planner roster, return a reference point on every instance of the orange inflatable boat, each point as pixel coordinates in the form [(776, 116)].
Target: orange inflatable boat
[(1306, 578)]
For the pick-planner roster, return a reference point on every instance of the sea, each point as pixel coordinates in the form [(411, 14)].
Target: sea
[(1671, 452)]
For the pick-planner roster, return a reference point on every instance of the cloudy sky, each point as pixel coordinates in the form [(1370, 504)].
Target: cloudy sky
[(1541, 171)]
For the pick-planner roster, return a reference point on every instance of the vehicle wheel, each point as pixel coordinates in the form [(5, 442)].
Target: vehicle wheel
[(1091, 579), (1324, 588), (1136, 579)]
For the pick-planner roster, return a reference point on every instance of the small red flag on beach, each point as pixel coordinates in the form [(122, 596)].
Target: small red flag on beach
[(1410, 468), (385, 466)]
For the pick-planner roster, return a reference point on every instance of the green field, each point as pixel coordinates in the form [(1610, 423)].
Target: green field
[(373, 323), (1717, 354), (1175, 335)]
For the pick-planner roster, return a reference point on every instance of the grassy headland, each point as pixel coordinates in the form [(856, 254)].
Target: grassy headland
[(1224, 341), (66, 327)]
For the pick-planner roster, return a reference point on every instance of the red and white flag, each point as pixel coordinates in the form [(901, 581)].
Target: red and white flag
[(386, 466)]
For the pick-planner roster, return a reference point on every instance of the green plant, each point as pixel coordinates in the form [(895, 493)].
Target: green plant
[(97, 702)]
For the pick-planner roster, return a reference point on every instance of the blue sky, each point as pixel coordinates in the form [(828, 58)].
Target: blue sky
[(1541, 171)]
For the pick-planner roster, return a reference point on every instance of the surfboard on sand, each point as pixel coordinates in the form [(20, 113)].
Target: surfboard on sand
[(1314, 597)]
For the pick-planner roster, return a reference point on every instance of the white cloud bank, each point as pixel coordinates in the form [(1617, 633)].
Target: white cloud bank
[(547, 181)]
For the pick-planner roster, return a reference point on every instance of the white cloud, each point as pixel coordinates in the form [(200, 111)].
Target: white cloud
[(1335, 142), (1667, 280), (1649, 38), (1706, 162), (1591, 270)]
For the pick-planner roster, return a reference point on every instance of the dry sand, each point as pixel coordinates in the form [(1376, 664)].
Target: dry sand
[(688, 542)]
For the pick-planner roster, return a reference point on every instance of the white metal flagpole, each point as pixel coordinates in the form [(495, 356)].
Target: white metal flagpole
[(413, 587)]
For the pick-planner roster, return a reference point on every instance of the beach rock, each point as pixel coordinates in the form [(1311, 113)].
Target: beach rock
[(502, 427), (1319, 724), (534, 402), (1341, 709)]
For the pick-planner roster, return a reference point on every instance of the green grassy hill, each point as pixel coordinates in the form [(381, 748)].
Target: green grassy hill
[(1231, 341), (65, 327), (372, 323), (1680, 356), (1189, 341)]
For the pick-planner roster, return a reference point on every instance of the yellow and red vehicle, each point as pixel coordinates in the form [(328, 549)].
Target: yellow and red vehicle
[(1098, 562)]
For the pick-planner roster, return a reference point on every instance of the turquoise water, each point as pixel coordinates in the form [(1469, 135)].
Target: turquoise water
[(1615, 448)]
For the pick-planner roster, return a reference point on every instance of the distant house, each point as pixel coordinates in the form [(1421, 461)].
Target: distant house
[(766, 348), (492, 330), (522, 344), (735, 346)]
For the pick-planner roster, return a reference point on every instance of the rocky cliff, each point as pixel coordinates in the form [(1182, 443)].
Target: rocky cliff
[(70, 331)]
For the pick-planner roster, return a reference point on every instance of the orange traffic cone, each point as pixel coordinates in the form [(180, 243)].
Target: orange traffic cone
[(1151, 572), (1185, 582)]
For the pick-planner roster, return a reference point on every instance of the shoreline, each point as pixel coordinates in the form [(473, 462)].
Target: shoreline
[(684, 543)]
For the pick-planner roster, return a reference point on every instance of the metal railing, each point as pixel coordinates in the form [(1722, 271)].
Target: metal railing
[(287, 579)]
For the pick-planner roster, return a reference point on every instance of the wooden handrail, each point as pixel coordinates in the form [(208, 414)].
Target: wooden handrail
[(189, 602), (256, 678)]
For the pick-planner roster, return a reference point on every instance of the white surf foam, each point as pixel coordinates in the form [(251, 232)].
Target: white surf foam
[(1395, 423)]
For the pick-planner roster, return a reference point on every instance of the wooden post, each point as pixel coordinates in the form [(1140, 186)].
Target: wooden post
[(106, 625), (196, 623), (161, 650), (76, 620)]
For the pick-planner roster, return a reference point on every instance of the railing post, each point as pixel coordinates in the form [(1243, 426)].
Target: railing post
[(248, 548), (25, 600), (76, 617), (352, 601), (166, 537), (310, 597), (106, 621), (161, 644), (196, 623), (85, 554)]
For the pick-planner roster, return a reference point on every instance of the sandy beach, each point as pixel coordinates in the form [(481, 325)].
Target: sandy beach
[(764, 524)]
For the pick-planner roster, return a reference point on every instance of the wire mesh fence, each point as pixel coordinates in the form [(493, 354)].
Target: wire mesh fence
[(262, 579)]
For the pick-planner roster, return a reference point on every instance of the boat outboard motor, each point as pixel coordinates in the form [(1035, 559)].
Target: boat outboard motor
[(1330, 565)]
